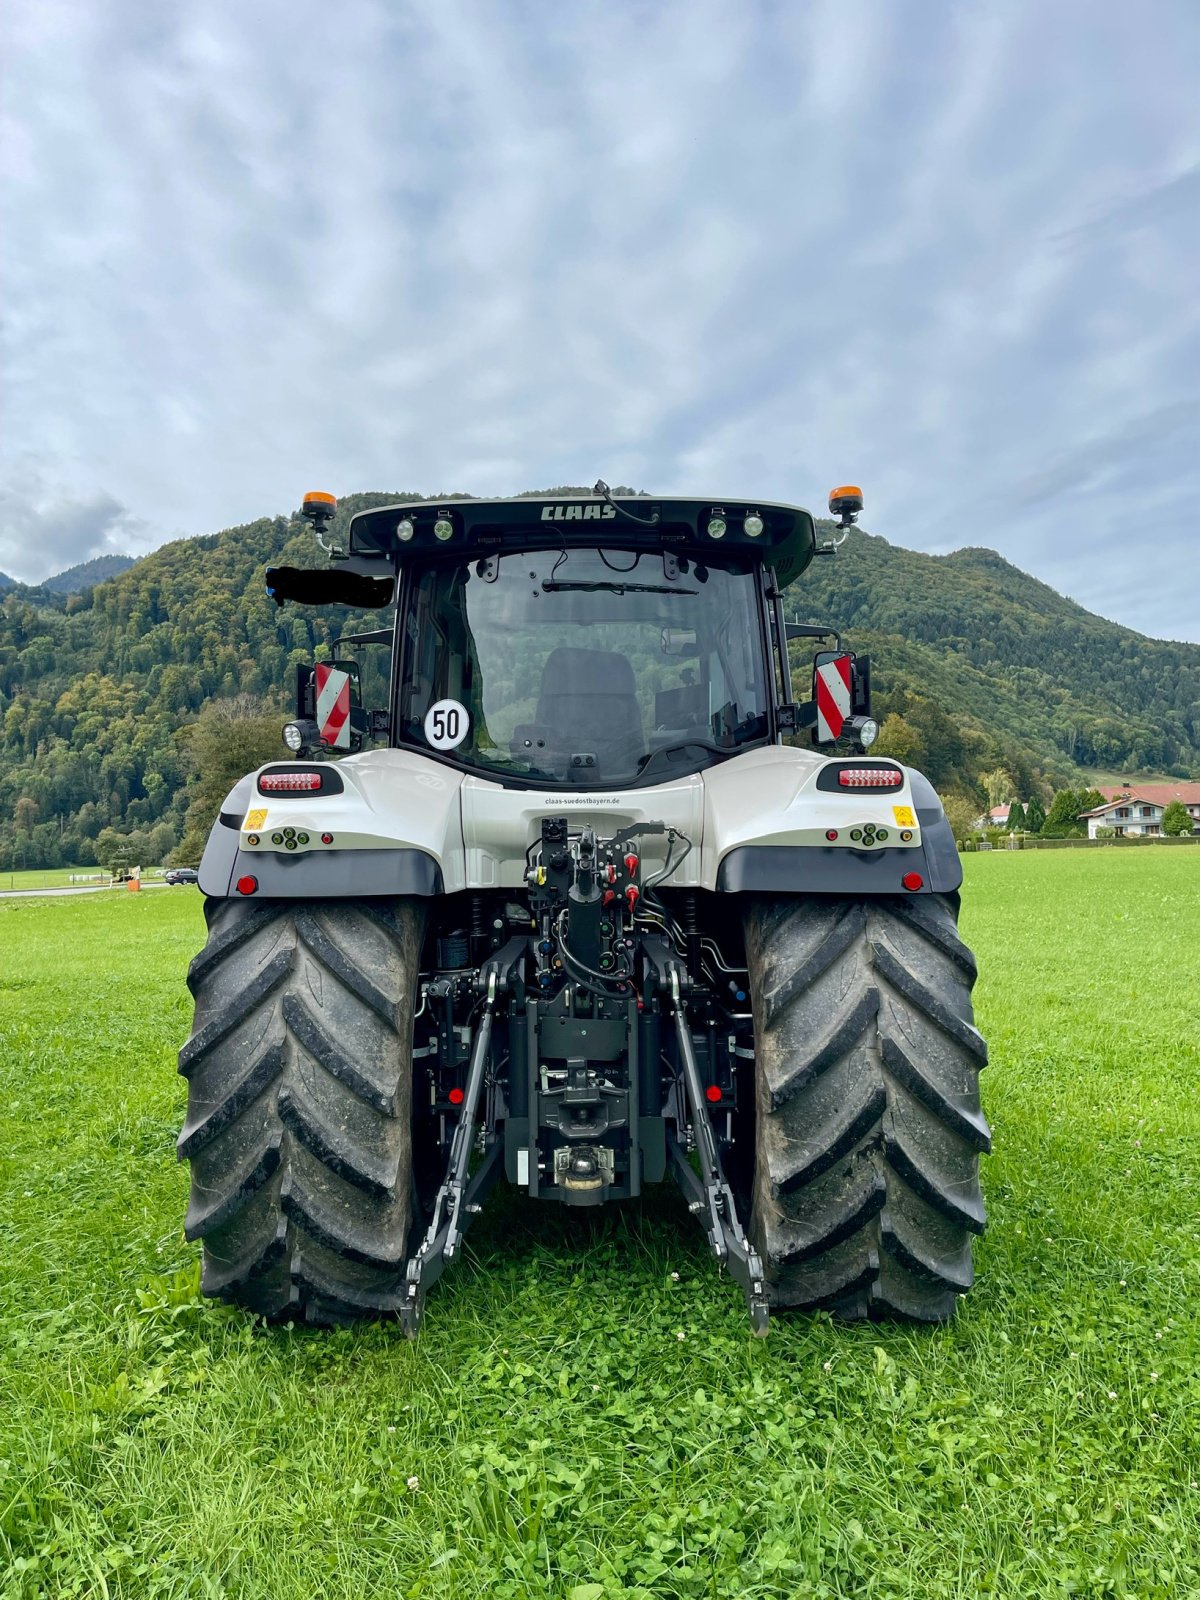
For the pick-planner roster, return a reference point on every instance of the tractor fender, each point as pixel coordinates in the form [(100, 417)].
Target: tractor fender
[(394, 825), (937, 836), (769, 821)]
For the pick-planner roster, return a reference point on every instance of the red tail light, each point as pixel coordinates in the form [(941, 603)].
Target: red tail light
[(870, 778), (289, 782), (247, 885), (912, 881)]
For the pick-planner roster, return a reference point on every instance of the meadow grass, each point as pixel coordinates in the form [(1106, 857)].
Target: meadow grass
[(574, 1422)]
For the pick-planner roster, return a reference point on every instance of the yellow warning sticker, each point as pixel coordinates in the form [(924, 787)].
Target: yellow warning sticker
[(904, 817), (255, 819)]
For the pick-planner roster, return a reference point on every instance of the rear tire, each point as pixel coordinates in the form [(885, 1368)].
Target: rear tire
[(299, 1072), (868, 1123)]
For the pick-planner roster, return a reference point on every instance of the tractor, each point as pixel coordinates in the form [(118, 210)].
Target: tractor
[(592, 901)]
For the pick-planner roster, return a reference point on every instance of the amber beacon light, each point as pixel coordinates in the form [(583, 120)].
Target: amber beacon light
[(846, 502), (319, 507)]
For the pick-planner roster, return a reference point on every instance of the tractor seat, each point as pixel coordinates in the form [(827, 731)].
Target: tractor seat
[(588, 702)]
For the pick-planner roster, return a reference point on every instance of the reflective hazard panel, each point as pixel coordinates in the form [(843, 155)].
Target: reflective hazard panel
[(333, 706), (831, 689)]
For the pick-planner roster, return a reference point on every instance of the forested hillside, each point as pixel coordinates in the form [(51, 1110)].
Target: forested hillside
[(977, 666)]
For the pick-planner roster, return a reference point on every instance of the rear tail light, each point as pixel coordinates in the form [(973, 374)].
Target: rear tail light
[(289, 782), (870, 778)]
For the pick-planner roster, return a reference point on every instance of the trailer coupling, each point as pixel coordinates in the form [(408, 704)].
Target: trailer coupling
[(459, 1199)]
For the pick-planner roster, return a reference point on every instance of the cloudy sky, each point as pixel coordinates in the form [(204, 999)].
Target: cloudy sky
[(950, 251)]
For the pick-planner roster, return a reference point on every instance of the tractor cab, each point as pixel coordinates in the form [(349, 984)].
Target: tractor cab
[(592, 643)]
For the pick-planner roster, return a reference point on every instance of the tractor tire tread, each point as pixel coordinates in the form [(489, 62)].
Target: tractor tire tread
[(866, 1192), (299, 1074)]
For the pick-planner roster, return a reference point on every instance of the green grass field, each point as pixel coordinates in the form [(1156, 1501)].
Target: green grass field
[(48, 877), (61, 877), (575, 1421)]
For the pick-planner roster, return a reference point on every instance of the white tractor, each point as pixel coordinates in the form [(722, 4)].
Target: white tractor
[(591, 901)]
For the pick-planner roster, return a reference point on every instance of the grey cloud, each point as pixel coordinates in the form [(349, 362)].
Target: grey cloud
[(250, 250), (39, 537), (1175, 200), (1106, 455)]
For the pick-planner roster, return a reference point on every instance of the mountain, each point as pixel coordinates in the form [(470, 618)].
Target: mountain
[(1013, 660), (75, 579), (976, 666), (87, 574)]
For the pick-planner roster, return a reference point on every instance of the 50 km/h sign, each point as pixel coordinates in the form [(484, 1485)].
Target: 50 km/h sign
[(333, 706), (447, 724)]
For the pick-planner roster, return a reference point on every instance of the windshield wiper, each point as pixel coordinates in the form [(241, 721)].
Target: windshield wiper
[(553, 585)]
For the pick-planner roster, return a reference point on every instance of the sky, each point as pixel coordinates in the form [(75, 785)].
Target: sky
[(948, 251)]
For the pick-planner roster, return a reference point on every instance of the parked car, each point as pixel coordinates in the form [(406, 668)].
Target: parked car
[(181, 875)]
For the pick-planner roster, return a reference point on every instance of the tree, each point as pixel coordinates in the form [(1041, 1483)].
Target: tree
[(25, 814), (1062, 819), (1016, 817), (899, 741), (1035, 814), (961, 814), (228, 739), (999, 785), (1176, 820)]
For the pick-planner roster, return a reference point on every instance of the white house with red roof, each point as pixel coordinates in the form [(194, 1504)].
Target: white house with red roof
[(1137, 808)]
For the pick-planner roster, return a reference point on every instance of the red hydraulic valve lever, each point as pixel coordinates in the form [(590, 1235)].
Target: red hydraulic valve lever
[(633, 894), (609, 896), (631, 863), (610, 873)]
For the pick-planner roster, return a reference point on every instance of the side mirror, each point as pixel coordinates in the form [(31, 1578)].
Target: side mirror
[(842, 696), (329, 586), (329, 696), (831, 691)]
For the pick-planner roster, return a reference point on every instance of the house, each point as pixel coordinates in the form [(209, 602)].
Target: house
[(997, 817), (1136, 809)]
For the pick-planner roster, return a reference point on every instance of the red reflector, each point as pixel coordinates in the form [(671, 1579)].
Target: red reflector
[(913, 880), (870, 778), (247, 885), (713, 1092), (289, 782), (831, 833), (326, 838), (456, 1097)]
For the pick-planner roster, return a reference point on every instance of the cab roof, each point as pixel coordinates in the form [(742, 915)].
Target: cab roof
[(787, 540)]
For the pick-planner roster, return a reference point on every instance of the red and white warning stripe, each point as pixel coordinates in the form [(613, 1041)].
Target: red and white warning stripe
[(333, 706), (833, 698)]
